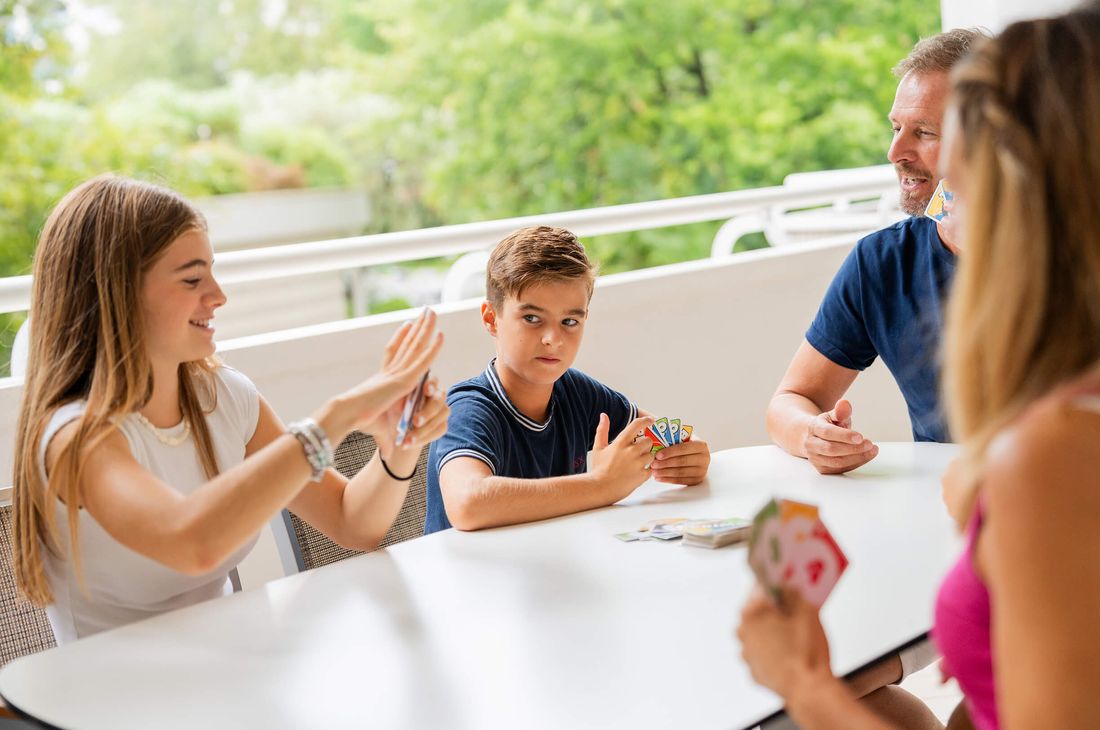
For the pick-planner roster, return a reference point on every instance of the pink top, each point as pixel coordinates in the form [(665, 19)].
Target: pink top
[(962, 632), (962, 622)]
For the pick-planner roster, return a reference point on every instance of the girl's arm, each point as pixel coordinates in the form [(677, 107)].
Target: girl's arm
[(195, 533)]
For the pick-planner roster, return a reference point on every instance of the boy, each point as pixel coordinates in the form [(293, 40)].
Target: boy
[(518, 434)]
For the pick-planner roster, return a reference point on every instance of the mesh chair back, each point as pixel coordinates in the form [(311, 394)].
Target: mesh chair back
[(24, 628), (314, 549)]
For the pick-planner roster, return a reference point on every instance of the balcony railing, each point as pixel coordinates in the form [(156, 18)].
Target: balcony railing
[(761, 208), (703, 340)]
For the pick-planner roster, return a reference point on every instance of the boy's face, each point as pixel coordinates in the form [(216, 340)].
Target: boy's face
[(539, 332)]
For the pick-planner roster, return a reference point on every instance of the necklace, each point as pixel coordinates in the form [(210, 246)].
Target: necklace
[(160, 432)]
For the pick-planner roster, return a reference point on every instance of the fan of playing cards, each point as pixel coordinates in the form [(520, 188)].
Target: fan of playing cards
[(667, 432), (790, 546)]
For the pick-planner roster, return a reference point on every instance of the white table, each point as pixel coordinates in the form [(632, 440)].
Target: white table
[(549, 625)]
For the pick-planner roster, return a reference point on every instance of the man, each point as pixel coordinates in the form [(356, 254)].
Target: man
[(887, 298), (886, 301)]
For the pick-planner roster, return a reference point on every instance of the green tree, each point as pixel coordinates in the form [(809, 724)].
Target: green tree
[(511, 107)]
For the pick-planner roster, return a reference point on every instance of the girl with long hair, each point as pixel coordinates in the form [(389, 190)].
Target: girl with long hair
[(1015, 618), (145, 468)]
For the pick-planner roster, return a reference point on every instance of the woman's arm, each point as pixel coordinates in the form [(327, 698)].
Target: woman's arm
[(1039, 553), (787, 652)]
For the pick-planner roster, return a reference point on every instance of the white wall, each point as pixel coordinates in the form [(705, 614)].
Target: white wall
[(996, 14), (706, 341)]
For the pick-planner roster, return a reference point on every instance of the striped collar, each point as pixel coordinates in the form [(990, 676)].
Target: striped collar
[(498, 388)]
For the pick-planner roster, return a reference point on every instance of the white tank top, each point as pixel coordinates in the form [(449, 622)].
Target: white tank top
[(120, 585)]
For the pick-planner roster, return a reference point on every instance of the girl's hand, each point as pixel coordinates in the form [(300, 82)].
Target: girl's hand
[(409, 354), (785, 648), (429, 424)]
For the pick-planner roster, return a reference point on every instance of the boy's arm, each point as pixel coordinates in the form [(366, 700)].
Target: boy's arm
[(474, 498)]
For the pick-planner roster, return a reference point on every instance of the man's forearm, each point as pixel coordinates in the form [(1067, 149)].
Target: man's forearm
[(494, 501), (789, 416)]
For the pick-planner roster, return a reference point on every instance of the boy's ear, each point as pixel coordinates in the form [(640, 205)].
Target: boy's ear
[(489, 318)]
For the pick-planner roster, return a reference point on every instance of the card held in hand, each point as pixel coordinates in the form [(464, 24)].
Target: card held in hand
[(791, 547)]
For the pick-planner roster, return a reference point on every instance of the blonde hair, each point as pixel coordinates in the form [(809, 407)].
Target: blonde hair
[(87, 343), (536, 255), (1024, 314), (939, 53)]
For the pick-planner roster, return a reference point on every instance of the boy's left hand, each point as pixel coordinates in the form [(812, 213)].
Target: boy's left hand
[(684, 463)]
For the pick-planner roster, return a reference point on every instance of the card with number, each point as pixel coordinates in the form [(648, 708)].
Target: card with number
[(673, 431), (660, 426)]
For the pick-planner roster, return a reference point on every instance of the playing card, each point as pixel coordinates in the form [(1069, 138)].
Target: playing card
[(790, 546), (674, 431), (685, 433), (413, 401), (660, 426), (942, 195), (658, 444)]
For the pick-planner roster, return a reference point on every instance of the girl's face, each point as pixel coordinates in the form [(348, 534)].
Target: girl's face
[(179, 296)]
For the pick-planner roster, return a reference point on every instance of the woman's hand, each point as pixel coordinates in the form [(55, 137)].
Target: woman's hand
[(785, 648), (408, 355)]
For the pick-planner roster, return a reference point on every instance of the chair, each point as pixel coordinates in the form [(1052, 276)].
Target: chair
[(24, 628), (308, 548)]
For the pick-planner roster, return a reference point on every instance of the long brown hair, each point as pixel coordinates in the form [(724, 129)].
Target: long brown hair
[(87, 343), (1025, 310)]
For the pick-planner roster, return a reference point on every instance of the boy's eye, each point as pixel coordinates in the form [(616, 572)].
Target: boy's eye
[(192, 282), (531, 318), (570, 322)]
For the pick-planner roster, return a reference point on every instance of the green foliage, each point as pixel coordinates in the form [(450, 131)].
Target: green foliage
[(512, 107), (448, 112), (395, 304)]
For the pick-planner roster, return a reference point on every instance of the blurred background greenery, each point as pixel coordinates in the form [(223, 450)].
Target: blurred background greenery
[(441, 111)]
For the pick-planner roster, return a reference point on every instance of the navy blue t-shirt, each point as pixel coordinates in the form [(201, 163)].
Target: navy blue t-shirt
[(887, 300), (485, 425)]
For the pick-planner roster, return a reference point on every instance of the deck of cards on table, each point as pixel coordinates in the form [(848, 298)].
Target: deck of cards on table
[(667, 432), (791, 547), (706, 532)]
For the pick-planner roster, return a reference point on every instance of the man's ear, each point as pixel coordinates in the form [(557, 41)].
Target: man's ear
[(489, 317)]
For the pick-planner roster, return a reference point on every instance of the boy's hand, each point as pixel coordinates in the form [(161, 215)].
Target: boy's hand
[(622, 463), (684, 463)]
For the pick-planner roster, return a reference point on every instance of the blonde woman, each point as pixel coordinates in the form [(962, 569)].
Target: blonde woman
[(1016, 617), (159, 463)]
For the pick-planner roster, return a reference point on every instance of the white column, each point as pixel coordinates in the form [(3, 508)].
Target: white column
[(996, 14)]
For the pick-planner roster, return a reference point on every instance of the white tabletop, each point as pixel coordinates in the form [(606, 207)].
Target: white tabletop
[(548, 625)]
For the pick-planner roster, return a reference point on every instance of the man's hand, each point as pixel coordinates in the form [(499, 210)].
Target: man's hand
[(622, 463), (684, 463), (832, 446)]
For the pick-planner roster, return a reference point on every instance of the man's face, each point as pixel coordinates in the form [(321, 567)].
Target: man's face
[(917, 119)]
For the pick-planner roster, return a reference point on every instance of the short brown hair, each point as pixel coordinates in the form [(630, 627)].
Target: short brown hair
[(939, 52), (535, 255)]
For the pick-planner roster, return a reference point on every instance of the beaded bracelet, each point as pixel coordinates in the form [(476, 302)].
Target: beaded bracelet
[(316, 446), (394, 476)]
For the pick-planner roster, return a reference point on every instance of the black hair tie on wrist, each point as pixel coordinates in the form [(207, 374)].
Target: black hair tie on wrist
[(394, 476)]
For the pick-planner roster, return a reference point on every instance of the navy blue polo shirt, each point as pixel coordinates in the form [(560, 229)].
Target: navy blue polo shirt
[(887, 300), (485, 425)]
